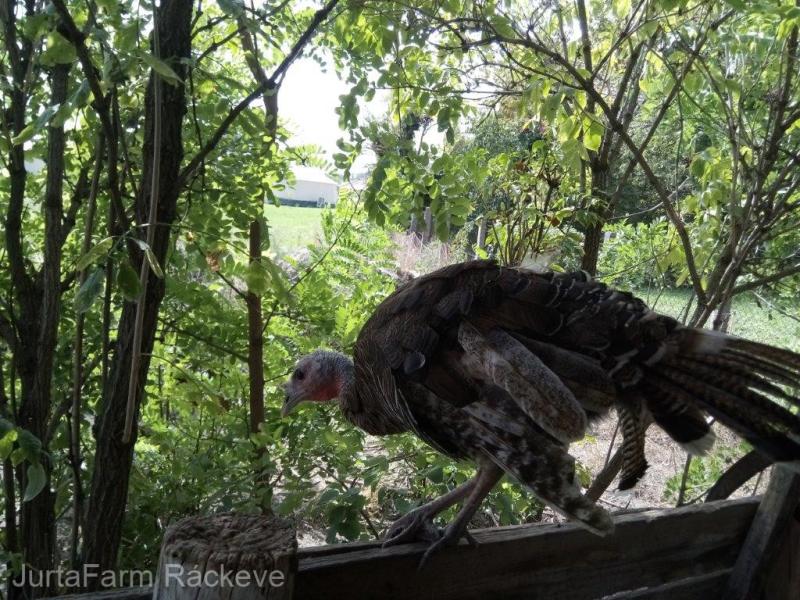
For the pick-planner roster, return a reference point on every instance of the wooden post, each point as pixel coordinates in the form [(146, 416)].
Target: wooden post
[(413, 227), (427, 232), (481, 243), (764, 538), (228, 556)]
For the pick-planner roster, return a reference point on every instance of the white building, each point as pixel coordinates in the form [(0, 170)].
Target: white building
[(312, 188)]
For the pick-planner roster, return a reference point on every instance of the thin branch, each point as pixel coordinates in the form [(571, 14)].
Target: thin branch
[(7, 331), (273, 81), (152, 216), (74, 452), (757, 283), (312, 267), (79, 194), (618, 128), (77, 38), (586, 46), (172, 325)]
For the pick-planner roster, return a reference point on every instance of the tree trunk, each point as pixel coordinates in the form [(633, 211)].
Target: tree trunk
[(593, 237), (413, 226), (113, 458), (592, 242), (77, 368), (722, 315), (9, 490), (255, 347), (37, 519), (255, 321)]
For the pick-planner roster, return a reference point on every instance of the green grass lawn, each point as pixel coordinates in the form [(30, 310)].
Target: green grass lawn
[(292, 227), (750, 321)]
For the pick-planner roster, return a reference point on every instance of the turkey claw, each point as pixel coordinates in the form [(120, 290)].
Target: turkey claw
[(415, 526), (449, 537)]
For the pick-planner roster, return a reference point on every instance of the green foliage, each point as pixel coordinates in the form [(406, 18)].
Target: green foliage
[(703, 472), (499, 131), (21, 446), (89, 291), (644, 255), (527, 198)]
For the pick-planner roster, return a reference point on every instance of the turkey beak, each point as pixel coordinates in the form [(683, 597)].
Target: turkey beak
[(289, 404)]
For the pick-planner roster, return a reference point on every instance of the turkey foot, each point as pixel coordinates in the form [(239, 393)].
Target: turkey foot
[(415, 526), (483, 482), (449, 537)]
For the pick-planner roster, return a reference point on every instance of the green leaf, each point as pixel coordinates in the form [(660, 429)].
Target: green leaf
[(550, 106), (24, 135), (692, 82), (257, 278), (29, 445), (37, 478), (6, 427), (276, 281), (502, 26), (7, 444), (128, 282), (572, 154), (435, 474), (101, 248), (621, 8), (89, 291), (151, 258), (35, 25), (62, 114), (698, 167), (233, 8), (8, 435), (58, 51), (162, 68), (41, 122), (593, 137)]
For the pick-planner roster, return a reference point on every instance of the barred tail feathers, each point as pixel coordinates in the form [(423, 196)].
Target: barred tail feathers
[(736, 381)]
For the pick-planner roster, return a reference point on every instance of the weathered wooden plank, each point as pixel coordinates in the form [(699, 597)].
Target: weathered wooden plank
[(765, 536), (700, 587), (539, 561), (134, 593), (783, 582)]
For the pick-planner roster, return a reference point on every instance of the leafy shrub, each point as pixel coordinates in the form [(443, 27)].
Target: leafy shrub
[(639, 256)]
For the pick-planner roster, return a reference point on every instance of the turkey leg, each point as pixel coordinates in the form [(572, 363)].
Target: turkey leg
[(485, 479), (417, 524)]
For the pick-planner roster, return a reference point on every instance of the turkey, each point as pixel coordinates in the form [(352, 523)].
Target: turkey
[(505, 367)]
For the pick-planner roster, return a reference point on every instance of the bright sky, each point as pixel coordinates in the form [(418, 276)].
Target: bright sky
[(307, 103)]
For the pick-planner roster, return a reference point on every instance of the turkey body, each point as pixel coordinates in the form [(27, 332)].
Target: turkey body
[(506, 365)]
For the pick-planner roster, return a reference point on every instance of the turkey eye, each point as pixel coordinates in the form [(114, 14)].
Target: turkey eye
[(299, 375)]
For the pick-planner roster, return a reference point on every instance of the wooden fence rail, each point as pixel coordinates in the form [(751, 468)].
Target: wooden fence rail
[(648, 549), (686, 553)]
